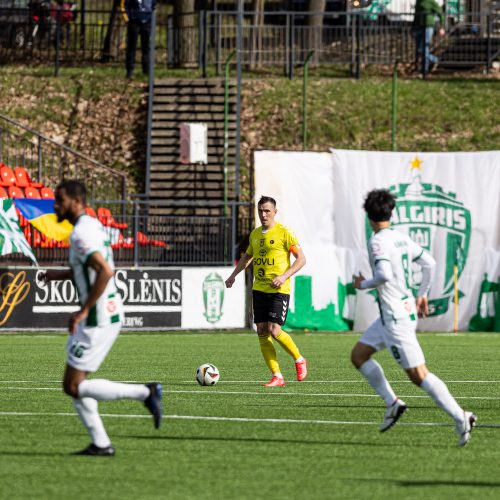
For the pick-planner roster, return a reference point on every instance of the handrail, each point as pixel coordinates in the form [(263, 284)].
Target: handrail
[(63, 146), (226, 125)]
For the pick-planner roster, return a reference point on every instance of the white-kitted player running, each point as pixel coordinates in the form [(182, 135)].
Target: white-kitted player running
[(391, 254), (95, 327)]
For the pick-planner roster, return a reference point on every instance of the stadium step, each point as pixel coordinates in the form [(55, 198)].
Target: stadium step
[(177, 101)]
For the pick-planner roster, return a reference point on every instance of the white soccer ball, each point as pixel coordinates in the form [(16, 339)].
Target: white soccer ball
[(207, 374)]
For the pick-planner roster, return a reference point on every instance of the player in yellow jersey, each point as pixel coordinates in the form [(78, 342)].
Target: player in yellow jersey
[(269, 250)]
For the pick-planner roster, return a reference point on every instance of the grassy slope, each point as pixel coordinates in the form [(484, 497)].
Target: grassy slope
[(91, 110), (448, 115), (99, 112), (233, 460)]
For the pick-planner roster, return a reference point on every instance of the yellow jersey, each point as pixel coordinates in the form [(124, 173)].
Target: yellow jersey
[(271, 256)]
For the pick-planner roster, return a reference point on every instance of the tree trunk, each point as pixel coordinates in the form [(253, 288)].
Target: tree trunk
[(106, 54), (315, 27), (256, 37), (185, 34)]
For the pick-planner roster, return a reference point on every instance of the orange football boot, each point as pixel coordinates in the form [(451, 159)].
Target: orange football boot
[(276, 382), (301, 367)]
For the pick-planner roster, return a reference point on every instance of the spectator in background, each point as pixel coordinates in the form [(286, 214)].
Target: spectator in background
[(424, 21), (138, 15)]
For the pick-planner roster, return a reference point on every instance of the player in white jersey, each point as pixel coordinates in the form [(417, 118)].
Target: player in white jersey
[(391, 254), (95, 327)]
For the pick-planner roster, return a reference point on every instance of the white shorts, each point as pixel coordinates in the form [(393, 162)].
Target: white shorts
[(89, 346), (399, 337)]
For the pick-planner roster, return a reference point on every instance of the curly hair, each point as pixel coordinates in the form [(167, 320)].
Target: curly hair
[(379, 204)]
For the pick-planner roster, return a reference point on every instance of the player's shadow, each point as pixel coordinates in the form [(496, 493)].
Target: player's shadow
[(333, 405), (271, 440), (419, 483), (55, 454)]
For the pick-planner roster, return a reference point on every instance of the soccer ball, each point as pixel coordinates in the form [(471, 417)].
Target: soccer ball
[(207, 374)]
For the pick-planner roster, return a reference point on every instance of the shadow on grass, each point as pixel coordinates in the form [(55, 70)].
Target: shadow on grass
[(432, 483), (271, 440), (333, 405), (34, 454)]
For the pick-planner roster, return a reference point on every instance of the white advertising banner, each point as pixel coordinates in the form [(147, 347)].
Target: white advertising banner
[(207, 303), (448, 202)]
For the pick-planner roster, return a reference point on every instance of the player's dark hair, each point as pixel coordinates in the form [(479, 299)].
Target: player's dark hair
[(74, 189), (379, 204), (266, 199)]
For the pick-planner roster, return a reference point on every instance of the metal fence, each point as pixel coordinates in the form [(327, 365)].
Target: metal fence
[(48, 162), (268, 39), (141, 235)]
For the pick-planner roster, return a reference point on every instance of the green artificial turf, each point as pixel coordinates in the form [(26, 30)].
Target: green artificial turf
[(308, 440)]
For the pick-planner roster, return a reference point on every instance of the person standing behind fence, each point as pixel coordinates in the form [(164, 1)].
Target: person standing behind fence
[(138, 15), (424, 21)]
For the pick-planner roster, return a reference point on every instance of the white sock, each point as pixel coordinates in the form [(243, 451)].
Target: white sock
[(279, 375), (373, 372), (87, 410), (105, 390), (438, 391)]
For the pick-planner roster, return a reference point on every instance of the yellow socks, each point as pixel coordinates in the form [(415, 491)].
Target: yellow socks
[(288, 344), (269, 353)]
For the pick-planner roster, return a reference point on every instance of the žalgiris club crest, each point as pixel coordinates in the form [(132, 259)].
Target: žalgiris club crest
[(213, 297), (439, 223)]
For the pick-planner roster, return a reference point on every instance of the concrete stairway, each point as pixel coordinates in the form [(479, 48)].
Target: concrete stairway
[(185, 100)]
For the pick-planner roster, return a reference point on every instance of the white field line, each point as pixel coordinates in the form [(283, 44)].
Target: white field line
[(406, 381), (258, 382), (236, 419), (273, 393)]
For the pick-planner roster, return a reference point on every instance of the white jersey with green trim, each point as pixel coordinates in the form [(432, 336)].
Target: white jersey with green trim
[(88, 237), (395, 295)]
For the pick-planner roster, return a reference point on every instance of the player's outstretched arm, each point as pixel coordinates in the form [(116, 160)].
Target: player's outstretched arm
[(243, 263)]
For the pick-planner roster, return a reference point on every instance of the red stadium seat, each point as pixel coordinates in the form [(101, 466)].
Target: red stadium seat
[(33, 193), (106, 218), (7, 177), (23, 222), (15, 192), (47, 193), (3, 193), (36, 239), (123, 243), (23, 179), (159, 243), (27, 234), (90, 211), (142, 239)]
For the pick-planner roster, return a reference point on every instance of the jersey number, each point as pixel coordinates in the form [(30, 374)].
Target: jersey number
[(406, 268), (395, 353), (77, 350)]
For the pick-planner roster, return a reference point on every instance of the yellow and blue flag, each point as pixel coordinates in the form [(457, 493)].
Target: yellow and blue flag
[(41, 215)]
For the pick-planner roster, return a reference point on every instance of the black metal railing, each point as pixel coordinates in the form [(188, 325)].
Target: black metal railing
[(268, 39), (140, 236), (48, 162)]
